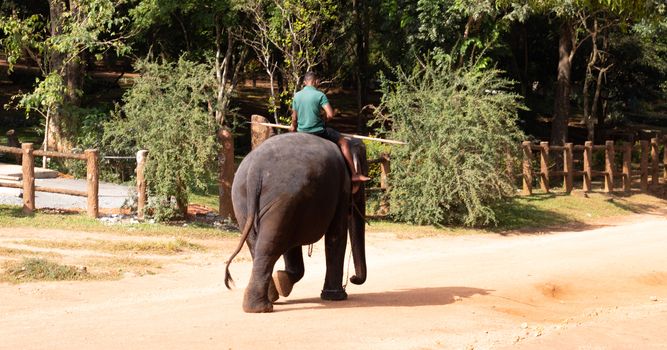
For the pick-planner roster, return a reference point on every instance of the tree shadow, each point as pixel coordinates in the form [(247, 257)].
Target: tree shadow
[(13, 211), (433, 296)]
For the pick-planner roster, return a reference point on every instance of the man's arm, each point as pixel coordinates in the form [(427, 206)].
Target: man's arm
[(294, 121), (329, 111)]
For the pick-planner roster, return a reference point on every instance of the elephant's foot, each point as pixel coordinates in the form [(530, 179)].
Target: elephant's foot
[(255, 304), (283, 283), (273, 292), (331, 294)]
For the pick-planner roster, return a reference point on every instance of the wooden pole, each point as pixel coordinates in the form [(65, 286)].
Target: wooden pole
[(655, 162), (93, 179), (394, 142), (142, 195), (28, 167), (609, 167), (544, 166), (527, 169), (588, 161), (568, 167), (385, 168), (258, 130), (664, 158), (226, 170), (644, 165), (627, 167)]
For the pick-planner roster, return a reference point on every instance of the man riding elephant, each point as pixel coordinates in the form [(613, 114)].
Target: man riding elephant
[(306, 118)]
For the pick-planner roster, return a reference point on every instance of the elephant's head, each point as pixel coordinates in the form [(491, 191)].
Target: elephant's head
[(357, 221)]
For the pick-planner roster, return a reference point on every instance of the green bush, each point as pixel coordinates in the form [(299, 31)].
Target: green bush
[(167, 112), (460, 124)]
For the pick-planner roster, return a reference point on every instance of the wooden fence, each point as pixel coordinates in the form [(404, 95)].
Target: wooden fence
[(28, 154), (649, 165)]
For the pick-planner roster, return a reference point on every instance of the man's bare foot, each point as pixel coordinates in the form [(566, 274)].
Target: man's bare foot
[(360, 178)]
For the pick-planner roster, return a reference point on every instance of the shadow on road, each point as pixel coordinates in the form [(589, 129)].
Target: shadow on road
[(398, 298)]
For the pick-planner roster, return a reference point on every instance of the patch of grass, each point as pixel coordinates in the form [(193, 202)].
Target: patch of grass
[(36, 269), (557, 209), (151, 247), (12, 216), (539, 212)]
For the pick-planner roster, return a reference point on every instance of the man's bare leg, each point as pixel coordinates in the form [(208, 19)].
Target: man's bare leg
[(345, 149)]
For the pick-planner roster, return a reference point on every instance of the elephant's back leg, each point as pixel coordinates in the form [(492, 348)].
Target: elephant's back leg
[(284, 280), (256, 298)]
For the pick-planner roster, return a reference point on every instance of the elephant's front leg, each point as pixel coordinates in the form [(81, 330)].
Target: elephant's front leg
[(335, 241), (256, 298)]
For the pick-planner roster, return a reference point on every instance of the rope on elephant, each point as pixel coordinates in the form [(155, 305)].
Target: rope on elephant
[(347, 272), (310, 250)]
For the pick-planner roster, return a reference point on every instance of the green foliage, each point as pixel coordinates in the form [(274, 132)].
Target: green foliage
[(460, 124), (166, 113)]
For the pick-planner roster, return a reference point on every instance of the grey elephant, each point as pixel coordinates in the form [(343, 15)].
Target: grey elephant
[(289, 192)]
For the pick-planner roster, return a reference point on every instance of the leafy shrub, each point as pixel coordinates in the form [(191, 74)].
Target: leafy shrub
[(460, 124), (167, 112)]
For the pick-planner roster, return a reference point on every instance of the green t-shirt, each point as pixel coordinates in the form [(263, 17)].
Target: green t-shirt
[(307, 104)]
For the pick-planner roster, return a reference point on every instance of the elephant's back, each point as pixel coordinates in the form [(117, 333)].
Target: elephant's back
[(300, 171)]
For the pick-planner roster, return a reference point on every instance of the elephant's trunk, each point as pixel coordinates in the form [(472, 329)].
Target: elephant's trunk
[(358, 237), (357, 223)]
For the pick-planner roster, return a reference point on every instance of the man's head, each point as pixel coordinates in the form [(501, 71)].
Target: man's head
[(310, 79)]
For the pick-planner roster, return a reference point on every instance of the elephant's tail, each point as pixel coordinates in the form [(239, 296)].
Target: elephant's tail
[(253, 186), (244, 236)]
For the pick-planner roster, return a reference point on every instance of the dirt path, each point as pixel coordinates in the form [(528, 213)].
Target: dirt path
[(599, 289)]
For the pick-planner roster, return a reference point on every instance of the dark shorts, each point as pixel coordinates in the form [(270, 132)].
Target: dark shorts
[(329, 134)]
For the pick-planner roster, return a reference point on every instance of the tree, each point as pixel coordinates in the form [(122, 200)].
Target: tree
[(578, 21), (460, 125), (56, 45), (166, 113), (301, 33), (202, 23)]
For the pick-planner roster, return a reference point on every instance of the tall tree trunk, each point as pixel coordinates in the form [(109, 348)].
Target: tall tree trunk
[(62, 125), (561, 113), (226, 172), (361, 16)]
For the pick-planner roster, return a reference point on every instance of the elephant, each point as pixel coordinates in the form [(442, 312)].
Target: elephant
[(289, 192)]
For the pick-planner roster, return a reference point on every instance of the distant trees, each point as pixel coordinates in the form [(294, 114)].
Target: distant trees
[(55, 39)]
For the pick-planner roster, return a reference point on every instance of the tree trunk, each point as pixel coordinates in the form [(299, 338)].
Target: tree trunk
[(361, 16), (62, 125), (226, 172), (562, 94)]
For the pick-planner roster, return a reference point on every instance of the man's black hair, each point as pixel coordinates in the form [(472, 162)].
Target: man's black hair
[(309, 76)]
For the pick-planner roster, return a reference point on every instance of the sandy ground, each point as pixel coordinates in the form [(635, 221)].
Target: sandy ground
[(604, 288)]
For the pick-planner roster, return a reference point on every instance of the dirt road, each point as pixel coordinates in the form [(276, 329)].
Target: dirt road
[(604, 288)]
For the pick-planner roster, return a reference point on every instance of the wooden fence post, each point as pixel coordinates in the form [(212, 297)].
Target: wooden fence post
[(568, 166), (627, 167), (141, 183), (664, 158), (588, 161), (28, 167), (609, 166), (259, 133), (655, 162), (92, 176), (544, 166), (527, 168), (644, 165)]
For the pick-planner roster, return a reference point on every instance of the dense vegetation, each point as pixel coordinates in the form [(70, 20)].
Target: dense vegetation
[(584, 69)]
